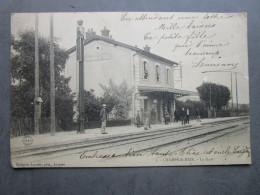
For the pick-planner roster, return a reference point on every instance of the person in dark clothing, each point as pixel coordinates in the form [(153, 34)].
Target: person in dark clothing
[(138, 119), (176, 116), (166, 116), (153, 116), (188, 116), (183, 115), (198, 115)]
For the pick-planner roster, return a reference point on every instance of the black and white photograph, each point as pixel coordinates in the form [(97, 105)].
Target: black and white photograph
[(127, 89)]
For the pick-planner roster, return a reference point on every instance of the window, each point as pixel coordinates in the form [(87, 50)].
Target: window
[(145, 70), (157, 73), (167, 75)]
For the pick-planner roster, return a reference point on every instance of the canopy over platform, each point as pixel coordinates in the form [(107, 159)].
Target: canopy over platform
[(180, 92)]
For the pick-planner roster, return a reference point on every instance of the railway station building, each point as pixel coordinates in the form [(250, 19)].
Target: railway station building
[(150, 76)]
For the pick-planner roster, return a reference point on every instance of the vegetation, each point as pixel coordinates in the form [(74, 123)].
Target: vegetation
[(22, 79), (213, 94), (93, 105), (117, 97)]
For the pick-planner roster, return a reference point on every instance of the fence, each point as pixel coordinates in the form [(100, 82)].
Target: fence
[(25, 126)]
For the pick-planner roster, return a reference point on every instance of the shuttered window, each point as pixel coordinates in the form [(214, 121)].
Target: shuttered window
[(167, 75), (145, 70), (157, 73), (171, 76)]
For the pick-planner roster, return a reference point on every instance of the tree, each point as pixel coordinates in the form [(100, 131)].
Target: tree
[(118, 97), (22, 79), (244, 108), (214, 94), (92, 105)]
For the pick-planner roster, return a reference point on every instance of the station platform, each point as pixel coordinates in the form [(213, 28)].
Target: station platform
[(43, 140)]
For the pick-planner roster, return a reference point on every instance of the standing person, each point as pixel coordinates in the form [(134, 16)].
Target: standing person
[(178, 116), (138, 119), (175, 116), (214, 113), (103, 118), (166, 116), (188, 116), (146, 121), (198, 115), (183, 114), (149, 119), (153, 116)]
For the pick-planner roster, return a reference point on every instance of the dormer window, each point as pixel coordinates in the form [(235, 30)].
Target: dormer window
[(146, 73)]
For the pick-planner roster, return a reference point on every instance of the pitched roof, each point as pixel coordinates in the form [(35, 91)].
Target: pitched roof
[(138, 50)]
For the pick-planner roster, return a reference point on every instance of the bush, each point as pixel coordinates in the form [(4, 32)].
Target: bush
[(223, 113)]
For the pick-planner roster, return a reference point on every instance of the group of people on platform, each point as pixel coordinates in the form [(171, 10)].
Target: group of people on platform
[(184, 116), (150, 117)]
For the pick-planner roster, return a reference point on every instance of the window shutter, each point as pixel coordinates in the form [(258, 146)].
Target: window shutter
[(171, 77), (141, 70), (160, 74), (155, 73), (148, 70), (165, 74)]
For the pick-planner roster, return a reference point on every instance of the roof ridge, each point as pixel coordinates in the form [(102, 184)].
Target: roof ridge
[(112, 41)]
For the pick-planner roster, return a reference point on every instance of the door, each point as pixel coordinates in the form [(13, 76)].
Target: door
[(158, 111)]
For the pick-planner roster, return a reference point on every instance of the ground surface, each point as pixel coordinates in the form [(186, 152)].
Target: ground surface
[(195, 144)]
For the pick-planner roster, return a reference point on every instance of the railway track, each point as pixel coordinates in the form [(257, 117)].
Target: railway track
[(140, 141)]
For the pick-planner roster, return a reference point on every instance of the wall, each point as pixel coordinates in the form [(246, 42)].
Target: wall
[(151, 81), (102, 62)]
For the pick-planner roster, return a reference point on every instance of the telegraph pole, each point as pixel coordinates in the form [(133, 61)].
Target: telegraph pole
[(52, 78), (210, 95), (231, 94), (236, 92), (37, 99), (80, 60)]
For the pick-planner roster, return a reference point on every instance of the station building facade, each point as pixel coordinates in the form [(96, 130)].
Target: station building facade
[(150, 76)]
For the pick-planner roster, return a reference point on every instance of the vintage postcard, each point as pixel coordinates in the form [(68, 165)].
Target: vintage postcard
[(119, 89)]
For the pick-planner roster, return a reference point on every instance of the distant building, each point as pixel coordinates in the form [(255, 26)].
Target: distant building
[(150, 75)]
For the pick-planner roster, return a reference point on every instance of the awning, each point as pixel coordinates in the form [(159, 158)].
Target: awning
[(180, 92)]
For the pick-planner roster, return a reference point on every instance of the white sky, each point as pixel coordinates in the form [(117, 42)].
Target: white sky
[(232, 30)]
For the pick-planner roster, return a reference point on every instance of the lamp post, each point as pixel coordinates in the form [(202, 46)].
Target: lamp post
[(37, 98), (80, 63)]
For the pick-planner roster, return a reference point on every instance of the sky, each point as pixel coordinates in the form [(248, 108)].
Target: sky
[(174, 36)]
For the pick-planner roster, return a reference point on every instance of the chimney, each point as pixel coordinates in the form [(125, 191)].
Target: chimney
[(90, 33), (147, 48), (105, 32)]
